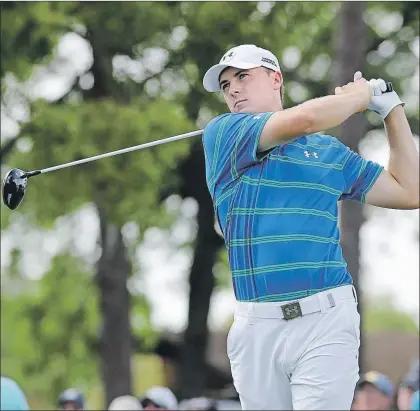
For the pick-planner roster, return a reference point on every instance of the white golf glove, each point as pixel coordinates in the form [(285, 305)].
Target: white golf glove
[(381, 103)]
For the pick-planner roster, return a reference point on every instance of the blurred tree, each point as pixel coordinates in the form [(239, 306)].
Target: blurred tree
[(145, 78), (80, 127), (350, 52), (303, 37), (47, 333), (29, 31), (307, 71), (381, 314), (352, 44), (192, 368)]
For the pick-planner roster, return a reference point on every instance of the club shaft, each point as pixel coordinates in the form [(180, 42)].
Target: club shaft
[(134, 148), (122, 151)]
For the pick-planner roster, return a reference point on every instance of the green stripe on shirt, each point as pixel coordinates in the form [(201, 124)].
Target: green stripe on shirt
[(289, 296), (237, 242), (286, 159), (290, 184), (378, 172), (217, 144), (268, 211), (284, 267)]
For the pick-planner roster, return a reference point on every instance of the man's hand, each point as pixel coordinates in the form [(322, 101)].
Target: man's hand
[(361, 87), (381, 102), (397, 187)]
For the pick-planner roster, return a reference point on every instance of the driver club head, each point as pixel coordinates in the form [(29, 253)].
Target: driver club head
[(14, 187)]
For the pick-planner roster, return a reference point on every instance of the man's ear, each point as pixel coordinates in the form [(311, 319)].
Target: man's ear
[(278, 80)]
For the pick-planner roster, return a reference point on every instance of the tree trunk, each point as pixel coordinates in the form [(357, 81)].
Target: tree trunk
[(115, 335), (114, 266), (350, 51), (7, 148), (192, 370)]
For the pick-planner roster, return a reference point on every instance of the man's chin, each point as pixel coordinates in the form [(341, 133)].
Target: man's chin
[(243, 110)]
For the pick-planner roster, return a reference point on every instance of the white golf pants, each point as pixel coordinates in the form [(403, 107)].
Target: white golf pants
[(306, 363)]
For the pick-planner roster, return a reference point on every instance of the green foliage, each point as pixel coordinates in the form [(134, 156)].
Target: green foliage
[(383, 315), (136, 22), (132, 181), (221, 271), (49, 325), (28, 33), (48, 329)]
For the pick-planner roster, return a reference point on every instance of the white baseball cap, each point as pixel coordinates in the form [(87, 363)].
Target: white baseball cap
[(126, 403), (163, 397), (247, 56)]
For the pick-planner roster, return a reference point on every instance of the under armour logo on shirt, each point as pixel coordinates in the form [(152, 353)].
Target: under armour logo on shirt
[(256, 117), (308, 154)]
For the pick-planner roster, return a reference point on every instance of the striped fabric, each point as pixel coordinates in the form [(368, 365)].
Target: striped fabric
[(278, 210)]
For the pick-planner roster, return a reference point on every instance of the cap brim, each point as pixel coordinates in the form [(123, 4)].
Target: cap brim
[(364, 381), (211, 78)]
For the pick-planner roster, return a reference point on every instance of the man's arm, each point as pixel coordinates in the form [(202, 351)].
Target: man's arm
[(398, 187), (314, 115)]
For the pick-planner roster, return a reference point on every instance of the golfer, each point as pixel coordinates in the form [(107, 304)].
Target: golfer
[(275, 180)]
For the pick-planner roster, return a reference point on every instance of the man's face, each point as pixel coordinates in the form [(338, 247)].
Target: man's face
[(370, 398), (150, 405), (153, 407), (70, 405), (251, 91), (404, 398)]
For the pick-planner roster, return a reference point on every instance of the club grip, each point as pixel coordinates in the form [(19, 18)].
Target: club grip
[(389, 87)]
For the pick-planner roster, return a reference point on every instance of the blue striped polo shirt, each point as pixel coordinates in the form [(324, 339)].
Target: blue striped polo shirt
[(278, 210)]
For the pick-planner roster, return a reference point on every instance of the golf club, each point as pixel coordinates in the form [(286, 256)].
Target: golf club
[(16, 180)]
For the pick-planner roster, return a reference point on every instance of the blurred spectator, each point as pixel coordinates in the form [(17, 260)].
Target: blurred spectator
[(203, 403), (408, 386), (373, 392), (159, 398), (228, 405), (71, 399), (125, 402), (197, 404), (12, 396), (415, 401)]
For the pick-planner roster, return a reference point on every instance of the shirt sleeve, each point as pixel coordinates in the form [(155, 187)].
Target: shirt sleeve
[(415, 401), (231, 144), (359, 174)]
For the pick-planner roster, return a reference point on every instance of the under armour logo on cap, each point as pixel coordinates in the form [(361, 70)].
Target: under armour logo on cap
[(228, 56)]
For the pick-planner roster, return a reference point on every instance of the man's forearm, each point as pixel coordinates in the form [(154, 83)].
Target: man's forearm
[(404, 156), (314, 115), (330, 111)]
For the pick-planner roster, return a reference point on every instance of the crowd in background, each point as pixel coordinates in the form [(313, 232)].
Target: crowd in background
[(156, 398), (374, 391)]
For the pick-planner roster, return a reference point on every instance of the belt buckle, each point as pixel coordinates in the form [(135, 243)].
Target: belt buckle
[(291, 310)]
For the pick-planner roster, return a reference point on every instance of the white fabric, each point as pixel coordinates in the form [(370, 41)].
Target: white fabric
[(125, 402), (199, 403), (309, 305), (162, 396), (246, 56), (307, 363), (228, 405), (204, 404), (381, 102)]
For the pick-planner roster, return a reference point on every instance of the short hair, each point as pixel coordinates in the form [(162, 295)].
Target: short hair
[(269, 71)]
